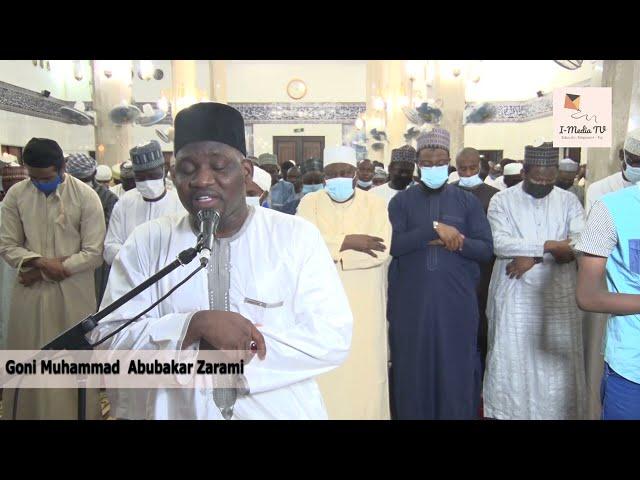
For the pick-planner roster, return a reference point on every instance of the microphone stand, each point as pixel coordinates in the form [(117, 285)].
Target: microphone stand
[(74, 338)]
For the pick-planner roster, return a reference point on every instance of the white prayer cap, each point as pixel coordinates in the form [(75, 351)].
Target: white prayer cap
[(103, 173), (453, 177), (568, 165), (261, 178), (632, 142), (513, 168), (8, 158), (339, 155)]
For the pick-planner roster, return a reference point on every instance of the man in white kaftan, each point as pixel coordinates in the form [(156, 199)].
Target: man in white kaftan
[(291, 298), (535, 367)]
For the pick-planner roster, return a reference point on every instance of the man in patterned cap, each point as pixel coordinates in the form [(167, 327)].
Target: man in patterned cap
[(312, 178), (281, 191), (568, 170), (52, 232), (611, 256), (10, 173), (150, 199), (127, 180), (84, 168), (535, 363), (440, 238), (401, 167), (379, 178)]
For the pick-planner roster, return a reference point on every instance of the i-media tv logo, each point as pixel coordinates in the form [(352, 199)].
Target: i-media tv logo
[(582, 117)]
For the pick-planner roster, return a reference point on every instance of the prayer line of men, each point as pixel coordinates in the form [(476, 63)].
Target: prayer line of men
[(438, 316)]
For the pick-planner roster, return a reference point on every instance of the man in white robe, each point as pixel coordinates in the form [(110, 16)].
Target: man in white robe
[(10, 174), (355, 226), (290, 302), (126, 178), (535, 362), (149, 200)]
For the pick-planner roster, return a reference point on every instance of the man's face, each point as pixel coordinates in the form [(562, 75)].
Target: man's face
[(433, 157), (151, 174), (565, 179), (274, 171), (630, 160), (128, 184), (43, 174), (511, 180), (212, 175), (293, 176), (252, 189), (366, 171), (468, 165), (313, 178), (401, 173), (339, 170), (542, 175)]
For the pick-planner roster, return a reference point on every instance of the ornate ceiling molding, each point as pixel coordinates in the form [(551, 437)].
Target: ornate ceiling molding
[(27, 102), (343, 112), (522, 111)]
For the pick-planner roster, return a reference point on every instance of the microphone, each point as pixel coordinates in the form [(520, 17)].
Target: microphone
[(209, 220)]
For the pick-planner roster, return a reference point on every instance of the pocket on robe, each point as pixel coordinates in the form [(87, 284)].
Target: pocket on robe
[(634, 256)]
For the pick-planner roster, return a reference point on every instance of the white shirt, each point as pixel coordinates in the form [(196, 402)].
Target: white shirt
[(497, 183), (118, 190), (133, 210), (307, 330), (385, 192), (609, 184)]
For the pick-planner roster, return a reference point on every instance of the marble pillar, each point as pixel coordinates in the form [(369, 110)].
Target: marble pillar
[(112, 141), (450, 91), (184, 86), (218, 80)]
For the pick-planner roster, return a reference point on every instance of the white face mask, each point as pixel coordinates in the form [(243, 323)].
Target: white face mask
[(253, 201), (151, 189)]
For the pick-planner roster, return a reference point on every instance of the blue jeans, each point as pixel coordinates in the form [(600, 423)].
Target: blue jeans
[(620, 397)]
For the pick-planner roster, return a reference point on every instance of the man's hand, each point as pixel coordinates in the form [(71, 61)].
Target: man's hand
[(519, 266), (29, 278), (560, 250), (453, 240), (225, 331), (52, 268), (363, 243)]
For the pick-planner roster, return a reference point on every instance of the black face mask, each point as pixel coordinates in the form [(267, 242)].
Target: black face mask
[(536, 190), (400, 183), (510, 183), (564, 185)]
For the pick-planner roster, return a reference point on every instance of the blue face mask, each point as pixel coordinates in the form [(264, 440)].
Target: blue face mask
[(339, 189), (632, 173), (434, 177), (363, 184), (311, 188), (48, 187), (470, 182)]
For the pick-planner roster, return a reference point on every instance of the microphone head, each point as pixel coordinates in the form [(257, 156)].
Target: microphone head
[(208, 213)]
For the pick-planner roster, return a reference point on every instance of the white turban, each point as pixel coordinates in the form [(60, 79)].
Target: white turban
[(339, 155), (261, 178)]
